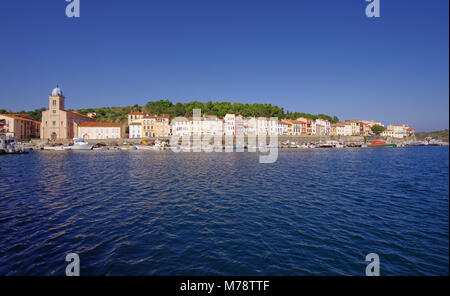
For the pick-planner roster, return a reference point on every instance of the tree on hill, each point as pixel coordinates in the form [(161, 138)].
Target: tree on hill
[(377, 129)]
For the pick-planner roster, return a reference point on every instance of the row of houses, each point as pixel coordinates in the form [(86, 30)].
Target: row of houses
[(143, 125), (60, 124)]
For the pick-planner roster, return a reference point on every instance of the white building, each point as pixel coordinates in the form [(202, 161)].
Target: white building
[(230, 124), (262, 126), (250, 126), (398, 130), (325, 127), (212, 125), (135, 131), (278, 128), (313, 127), (101, 130), (180, 126)]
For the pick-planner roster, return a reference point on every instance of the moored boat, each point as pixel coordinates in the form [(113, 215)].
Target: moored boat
[(376, 144), (79, 144), (54, 147)]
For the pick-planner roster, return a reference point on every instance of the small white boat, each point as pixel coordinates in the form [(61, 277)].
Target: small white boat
[(54, 148), (79, 144), (146, 147), (9, 145)]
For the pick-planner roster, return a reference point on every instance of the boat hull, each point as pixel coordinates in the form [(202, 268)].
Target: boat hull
[(54, 148), (79, 147), (381, 146)]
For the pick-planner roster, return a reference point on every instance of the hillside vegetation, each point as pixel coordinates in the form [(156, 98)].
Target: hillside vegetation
[(119, 114), (439, 135)]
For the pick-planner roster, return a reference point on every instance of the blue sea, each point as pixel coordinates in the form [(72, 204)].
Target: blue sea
[(312, 212)]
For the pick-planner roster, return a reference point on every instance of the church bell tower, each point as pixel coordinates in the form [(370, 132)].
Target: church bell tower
[(56, 100)]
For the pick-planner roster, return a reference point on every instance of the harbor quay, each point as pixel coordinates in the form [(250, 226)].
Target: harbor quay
[(283, 141)]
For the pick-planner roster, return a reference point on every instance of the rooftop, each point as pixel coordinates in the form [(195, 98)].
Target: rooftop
[(101, 124)]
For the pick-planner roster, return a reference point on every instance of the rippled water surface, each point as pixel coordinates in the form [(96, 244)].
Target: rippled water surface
[(313, 212)]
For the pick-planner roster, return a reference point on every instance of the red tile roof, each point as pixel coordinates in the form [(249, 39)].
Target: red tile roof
[(21, 118)]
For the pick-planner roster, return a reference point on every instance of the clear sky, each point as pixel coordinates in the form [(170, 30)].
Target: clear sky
[(315, 56)]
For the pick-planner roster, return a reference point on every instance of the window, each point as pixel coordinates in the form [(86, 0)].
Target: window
[(54, 103)]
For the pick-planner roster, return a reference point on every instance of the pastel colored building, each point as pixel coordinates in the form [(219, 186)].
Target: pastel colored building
[(20, 126), (239, 125), (137, 117), (310, 126), (324, 127)]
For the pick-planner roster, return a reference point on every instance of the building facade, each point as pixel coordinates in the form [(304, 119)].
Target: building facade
[(135, 130), (180, 126), (101, 130), (20, 126), (58, 123)]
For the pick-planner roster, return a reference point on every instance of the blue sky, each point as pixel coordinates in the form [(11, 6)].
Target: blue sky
[(309, 56)]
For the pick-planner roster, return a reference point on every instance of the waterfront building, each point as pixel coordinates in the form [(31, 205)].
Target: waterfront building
[(289, 129), (161, 127), (297, 127), (58, 123), (262, 126), (101, 130), (341, 129), (230, 124), (355, 124), (20, 126), (398, 131), (240, 125), (212, 125), (196, 124), (313, 128), (294, 127), (155, 126), (278, 128), (348, 129), (325, 126), (333, 130), (137, 117), (148, 126), (320, 129), (365, 129), (135, 130), (388, 133), (303, 124), (180, 126), (309, 125), (250, 126)]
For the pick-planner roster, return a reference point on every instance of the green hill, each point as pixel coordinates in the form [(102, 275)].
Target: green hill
[(438, 135), (119, 114)]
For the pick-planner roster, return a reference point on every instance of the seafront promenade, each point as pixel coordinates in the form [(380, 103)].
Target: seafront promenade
[(281, 139)]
